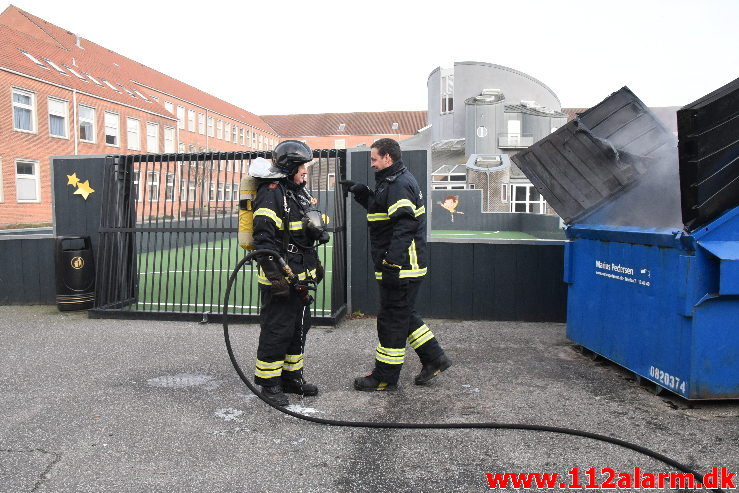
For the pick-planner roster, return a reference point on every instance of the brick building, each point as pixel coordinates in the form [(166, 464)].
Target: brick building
[(65, 95), (344, 130)]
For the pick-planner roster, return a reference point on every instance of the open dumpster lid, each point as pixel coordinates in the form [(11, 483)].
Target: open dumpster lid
[(606, 150), (708, 133)]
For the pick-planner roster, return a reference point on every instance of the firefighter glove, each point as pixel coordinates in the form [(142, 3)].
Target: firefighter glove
[(360, 190), (280, 288), (279, 285), (320, 272)]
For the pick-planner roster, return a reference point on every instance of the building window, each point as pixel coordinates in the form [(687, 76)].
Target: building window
[(169, 106), (181, 117), (87, 123), (340, 144), (241, 135), (24, 110), (34, 59), (261, 142), (447, 93), (526, 198), (504, 192), (26, 180), (112, 122), (219, 129), (191, 120), (227, 196), (211, 132), (92, 78), (58, 111), (331, 181), (227, 132), (152, 137), (168, 139), (152, 182), (169, 187), (79, 76), (181, 147), (109, 85), (133, 134), (221, 187), (56, 67), (136, 190), (201, 124), (235, 135)]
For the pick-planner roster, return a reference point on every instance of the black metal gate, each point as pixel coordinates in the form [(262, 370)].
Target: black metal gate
[(168, 236)]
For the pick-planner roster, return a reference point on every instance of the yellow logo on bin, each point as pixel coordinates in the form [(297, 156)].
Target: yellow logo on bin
[(77, 262)]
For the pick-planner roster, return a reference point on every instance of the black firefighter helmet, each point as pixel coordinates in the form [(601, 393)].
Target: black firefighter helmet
[(290, 154)]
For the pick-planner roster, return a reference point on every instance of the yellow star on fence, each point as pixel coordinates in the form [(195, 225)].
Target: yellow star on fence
[(84, 189), (72, 179)]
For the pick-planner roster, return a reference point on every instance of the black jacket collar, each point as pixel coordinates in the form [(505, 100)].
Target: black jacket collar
[(391, 172)]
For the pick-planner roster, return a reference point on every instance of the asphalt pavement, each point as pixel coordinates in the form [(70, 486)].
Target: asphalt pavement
[(91, 405)]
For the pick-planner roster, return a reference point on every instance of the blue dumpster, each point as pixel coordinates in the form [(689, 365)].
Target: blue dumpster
[(653, 258)]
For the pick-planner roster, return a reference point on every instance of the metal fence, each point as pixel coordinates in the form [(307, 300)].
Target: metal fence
[(168, 236)]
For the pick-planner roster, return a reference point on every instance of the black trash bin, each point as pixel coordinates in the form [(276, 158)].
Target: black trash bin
[(75, 273)]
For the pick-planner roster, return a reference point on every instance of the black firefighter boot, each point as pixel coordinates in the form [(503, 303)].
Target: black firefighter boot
[(298, 385), (433, 368), (275, 395), (369, 383)]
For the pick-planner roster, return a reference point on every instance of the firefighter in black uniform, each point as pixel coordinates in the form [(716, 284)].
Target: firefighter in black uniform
[(286, 221), (397, 228)]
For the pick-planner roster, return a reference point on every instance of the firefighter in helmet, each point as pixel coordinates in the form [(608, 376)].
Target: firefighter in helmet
[(286, 221)]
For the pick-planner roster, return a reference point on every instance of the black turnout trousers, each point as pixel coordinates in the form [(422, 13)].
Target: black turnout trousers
[(285, 323), (396, 321)]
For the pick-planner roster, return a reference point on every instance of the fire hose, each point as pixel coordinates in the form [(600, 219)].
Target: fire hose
[(438, 426)]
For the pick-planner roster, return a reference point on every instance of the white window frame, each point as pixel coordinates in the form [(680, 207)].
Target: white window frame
[(110, 85), (152, 186), (133, 144), (504, 193), (211, 127), (169, 135), (136, 182), (64, 115), (169, 183), (55, 66), (339, 143), (34, 59), (191, 120), (152, 137), (235, 134), (181, 117), (201, 123), (92, 78), (447, 93), (241, 135), (79, 76), (528, 203), (219, 129), (169, 106), (35, 178), (29, 107), (81, 120), (227, 131), (117, 128)]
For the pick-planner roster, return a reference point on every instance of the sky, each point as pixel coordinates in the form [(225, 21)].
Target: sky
[(324, 56)]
